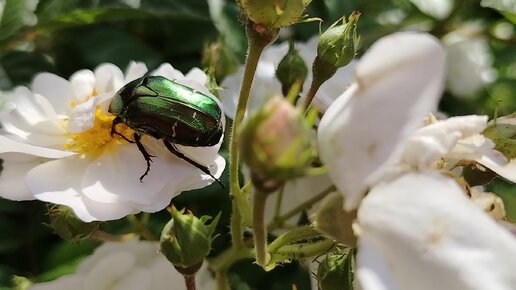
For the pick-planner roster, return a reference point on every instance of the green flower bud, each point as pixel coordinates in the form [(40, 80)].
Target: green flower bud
[(67, 225), (274, 13), (277, 142), (291, 69), (186, 240), (219, 59), (336, 272), (336, 48)]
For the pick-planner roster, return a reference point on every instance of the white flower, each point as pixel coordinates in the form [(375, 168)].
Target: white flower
[(128, 265), (397, 82), (422, 232), (470, 63), (57, 147), (435, 8), (415, 230), (265, 85), (455, 139)]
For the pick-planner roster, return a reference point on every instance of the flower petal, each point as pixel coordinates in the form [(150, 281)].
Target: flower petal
[(83, 84), (422, 232), (56, 89), (109, 270), (8, 145), (108, 78), (59, 182), (168, 71), (436, 140), (365, 129), (134, 71), (12, 179), (115, 177)]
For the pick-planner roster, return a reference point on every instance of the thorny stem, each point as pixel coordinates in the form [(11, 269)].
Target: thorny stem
[(278, 222), (259, 232), (190, 282), (221, 279), (256, 43)]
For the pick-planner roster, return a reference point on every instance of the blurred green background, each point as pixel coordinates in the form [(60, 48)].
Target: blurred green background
[(65, 36)]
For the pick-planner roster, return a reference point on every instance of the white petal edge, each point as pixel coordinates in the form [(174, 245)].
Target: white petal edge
[(398, 81), (422, 232)]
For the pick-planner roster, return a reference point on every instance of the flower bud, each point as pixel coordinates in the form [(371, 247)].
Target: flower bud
[(219, 59), (337, 271), (68, 226), (336, 48), (291, 69), (277, 142), (186, 240), (274, 13)]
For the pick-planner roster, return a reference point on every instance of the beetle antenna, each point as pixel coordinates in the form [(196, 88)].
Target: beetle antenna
[(179, 154)]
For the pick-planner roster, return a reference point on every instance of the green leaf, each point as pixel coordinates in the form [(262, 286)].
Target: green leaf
[(20, 66), (225, 16), (12, 18), (99, 44)]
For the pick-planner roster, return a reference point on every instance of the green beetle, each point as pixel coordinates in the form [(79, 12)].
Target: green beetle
[(167, 110)]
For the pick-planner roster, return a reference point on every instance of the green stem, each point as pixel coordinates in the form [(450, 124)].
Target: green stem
[(256, 43), (314, 87), (295, 235), (259, 232), (221, 279), (228, 257), (278, 222), (279, 200)]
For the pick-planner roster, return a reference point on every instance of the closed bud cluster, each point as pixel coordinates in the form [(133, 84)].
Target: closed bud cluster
[(277, 142), (291, 69), (336, 271), (337, 47), (186, 240), (274, 13), (68, 226)]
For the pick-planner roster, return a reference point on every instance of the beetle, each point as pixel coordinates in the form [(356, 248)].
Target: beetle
[(170, 111)]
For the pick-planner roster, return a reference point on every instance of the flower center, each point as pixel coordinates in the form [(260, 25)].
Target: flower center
[(98, 138)]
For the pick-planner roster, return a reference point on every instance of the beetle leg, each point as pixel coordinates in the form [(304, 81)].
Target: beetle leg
[(113, 129), (203, 168), (144, 152)]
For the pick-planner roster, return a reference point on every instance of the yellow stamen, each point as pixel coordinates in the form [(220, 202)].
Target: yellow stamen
[(98, 138)]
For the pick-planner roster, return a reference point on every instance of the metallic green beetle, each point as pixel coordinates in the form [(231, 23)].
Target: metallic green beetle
[(164, 109)]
